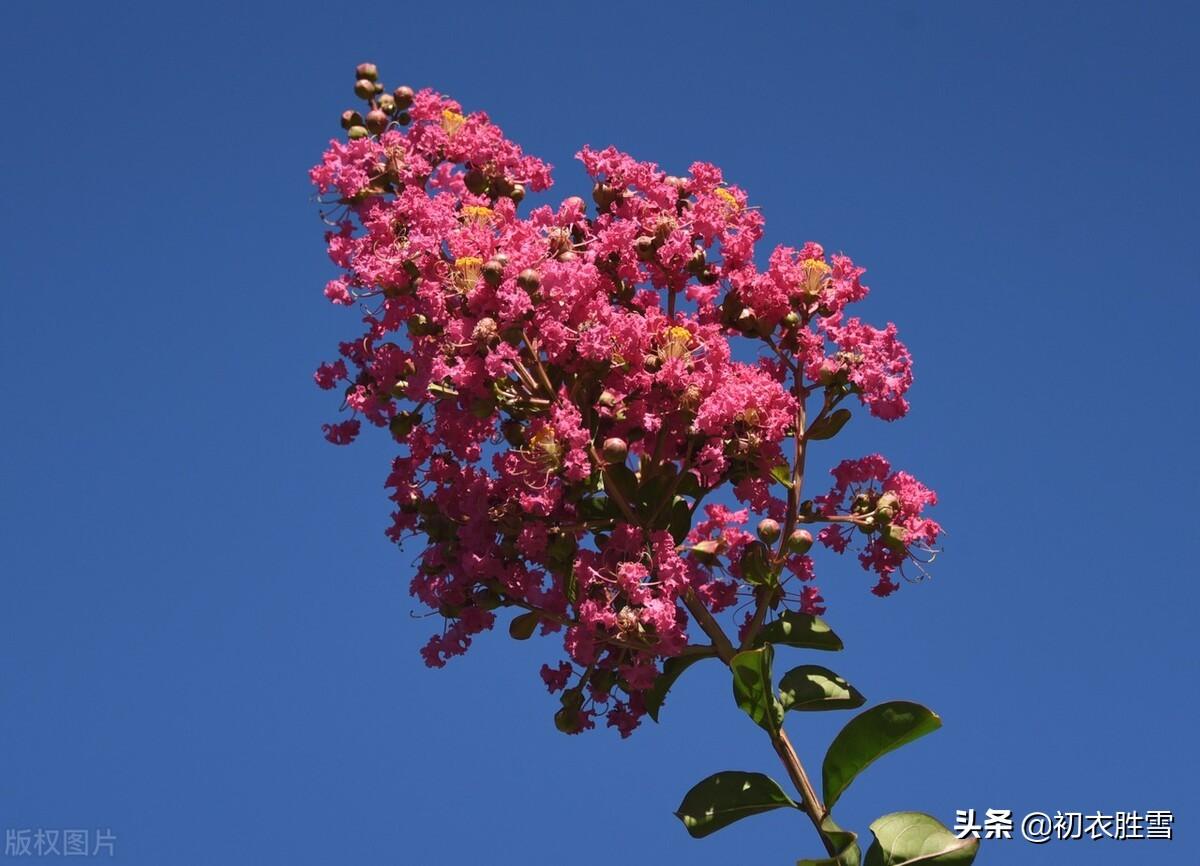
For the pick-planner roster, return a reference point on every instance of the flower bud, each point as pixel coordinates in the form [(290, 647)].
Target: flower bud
[(791, 319), (697, 262), (377, 121), (644, 246), (517, 194), (484, 330), (364, 88), (615, 450), (513, 432), (493, 271), (768, 530), (387, 103), (403, 118), (351, 118), (357, 132), (403, 97), (529, 280), (800, 542), (476, 181), (607, 399), (367, 71)]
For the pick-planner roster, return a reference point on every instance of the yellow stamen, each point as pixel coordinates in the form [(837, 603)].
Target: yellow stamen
[(452, 121), (477, 214), (677, 342), (546, 448), (466, 272), (727, 197), (816, 272)]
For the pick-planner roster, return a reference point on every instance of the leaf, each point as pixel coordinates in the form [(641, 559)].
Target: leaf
[(845, 844), (521, 628), (681, 520), (726, 797), (571, 585), (689, 485), (902, 838), (868, 737), (752, 687), (800, 630), (829, 426), (783, 474), (673, 667), (623, 479), (812, 687), (755, 563)]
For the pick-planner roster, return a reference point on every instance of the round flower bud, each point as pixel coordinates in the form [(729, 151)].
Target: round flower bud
[(529, 280), (493, 271), (768, 530), (403, 97), (513, 432), (377, 121), (476, 181), (800, 542), (484, 330), (387, 103), (615, 450), (791, 319), (403, 118), (644, 247), (518, 193), (366, 71), (351, 118), (607, 399), (364, 88), (356, 132)]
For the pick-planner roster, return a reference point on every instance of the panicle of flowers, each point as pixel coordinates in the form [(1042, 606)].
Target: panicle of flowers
[(563, 394)]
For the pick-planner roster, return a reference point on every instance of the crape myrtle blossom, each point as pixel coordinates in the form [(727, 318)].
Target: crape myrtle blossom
[(562, 389)]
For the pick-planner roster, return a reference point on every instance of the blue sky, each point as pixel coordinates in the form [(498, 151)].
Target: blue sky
[(205, 639)]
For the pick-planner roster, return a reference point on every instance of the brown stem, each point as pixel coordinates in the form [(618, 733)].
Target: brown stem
[(810, 804)]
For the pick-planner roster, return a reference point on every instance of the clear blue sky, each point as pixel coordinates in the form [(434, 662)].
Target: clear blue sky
[(205, 639)]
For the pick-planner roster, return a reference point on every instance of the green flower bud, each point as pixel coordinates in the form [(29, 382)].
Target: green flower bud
[(615, 450), (377, 121), (768, 530), (357, 132), (800, 542), (529, 280), (403, 97)]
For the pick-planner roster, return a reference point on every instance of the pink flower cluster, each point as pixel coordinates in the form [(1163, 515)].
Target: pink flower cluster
[(564, 394)]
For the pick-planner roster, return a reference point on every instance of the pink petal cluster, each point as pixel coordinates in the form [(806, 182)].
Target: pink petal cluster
[(562, 388)]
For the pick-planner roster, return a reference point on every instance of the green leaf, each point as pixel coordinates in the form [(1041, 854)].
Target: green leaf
[(681, 520), (812, 687), (868, 737), (800, 630), (689, 485), (845, 845), (726, 797), (752, 687), (571, 585), (902, 838), (783, 474), (672, 668), (829, 426), (624, 480), (522, 626), (755, 564)]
